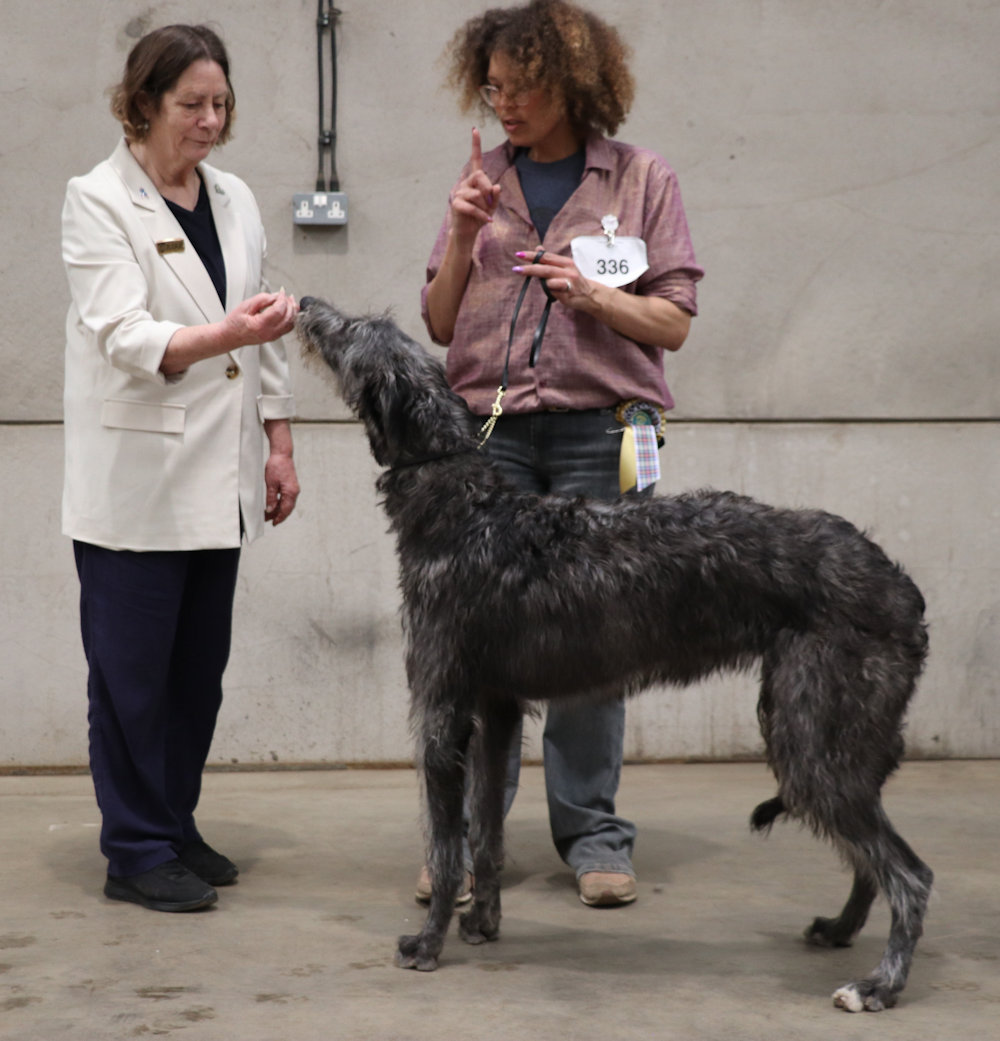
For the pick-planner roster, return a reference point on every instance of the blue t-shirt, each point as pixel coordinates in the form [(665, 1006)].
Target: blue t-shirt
[(547, 186)]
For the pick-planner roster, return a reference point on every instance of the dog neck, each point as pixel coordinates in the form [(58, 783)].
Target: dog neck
[(435, 457)]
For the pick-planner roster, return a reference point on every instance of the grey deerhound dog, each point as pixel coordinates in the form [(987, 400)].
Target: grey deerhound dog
[(510, 598)]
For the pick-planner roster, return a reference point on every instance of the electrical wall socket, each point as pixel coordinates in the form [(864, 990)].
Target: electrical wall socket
[(319, 208)]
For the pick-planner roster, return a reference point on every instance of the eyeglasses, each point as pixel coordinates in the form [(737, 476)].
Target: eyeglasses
[(491, 95)]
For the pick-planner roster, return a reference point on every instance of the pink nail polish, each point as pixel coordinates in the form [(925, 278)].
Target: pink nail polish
[(517, 270)]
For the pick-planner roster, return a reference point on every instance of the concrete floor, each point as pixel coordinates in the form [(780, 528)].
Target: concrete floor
[(301, 949)]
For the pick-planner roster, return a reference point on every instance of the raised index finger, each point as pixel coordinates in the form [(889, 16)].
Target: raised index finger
[(476, 159)]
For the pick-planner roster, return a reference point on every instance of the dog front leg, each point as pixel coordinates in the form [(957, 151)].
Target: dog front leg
[(488, 779), (444, 744)]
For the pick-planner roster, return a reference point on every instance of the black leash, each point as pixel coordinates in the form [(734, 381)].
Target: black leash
[(536, 343)]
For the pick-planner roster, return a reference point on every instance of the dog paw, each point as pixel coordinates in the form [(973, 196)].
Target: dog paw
[(474, 929), (864, 996), (411, 953), (828, 932)]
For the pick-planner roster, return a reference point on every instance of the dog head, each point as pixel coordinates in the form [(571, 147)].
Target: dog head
[(389, 382)]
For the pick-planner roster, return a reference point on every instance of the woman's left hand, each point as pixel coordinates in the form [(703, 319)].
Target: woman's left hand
[(646, 319), (282, 486), (280, 479), (562, 278)]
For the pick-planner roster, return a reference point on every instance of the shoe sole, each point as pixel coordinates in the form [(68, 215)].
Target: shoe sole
[(608, 900), (223, 880), (113, 892)]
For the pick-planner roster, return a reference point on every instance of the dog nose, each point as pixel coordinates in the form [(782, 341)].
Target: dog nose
[(306, 302)]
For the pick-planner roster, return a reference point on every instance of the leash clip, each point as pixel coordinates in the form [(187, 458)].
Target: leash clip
[(495, 413)]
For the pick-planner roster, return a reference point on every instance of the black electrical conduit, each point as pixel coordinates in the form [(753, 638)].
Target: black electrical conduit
[(326, 18)]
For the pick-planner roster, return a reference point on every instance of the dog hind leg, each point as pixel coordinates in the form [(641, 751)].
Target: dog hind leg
[(906, 882), (827, 932), (830, 714), (499, 722), (840, 931), (444, 740)]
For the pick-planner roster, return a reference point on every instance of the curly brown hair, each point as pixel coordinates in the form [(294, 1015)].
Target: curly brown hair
[(555, 45), (153, 67)]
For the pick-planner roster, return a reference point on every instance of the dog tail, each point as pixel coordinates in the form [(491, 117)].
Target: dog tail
[(767, 813)]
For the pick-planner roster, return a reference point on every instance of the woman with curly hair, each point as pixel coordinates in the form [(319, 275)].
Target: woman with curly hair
[(578, 245)]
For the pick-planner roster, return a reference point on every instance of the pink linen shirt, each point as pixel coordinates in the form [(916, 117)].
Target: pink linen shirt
[(582, 363)]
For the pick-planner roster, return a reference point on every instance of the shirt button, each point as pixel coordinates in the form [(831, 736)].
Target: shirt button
[(232, 372)]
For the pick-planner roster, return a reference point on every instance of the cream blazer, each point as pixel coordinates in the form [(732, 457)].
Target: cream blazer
[(155, 463)]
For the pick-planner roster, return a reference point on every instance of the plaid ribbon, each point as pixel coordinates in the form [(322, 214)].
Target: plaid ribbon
[(647, 456), (639, 462)]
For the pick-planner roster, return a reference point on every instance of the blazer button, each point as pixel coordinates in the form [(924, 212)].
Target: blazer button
[(232, 372)]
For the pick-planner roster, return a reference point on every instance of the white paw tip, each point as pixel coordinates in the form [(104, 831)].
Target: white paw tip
[(848, 998)]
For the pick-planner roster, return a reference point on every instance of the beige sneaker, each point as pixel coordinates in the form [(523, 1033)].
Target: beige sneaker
[(423, 894), (606, 888)]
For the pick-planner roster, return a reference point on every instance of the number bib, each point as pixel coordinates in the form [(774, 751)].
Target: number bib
[(611, 260)]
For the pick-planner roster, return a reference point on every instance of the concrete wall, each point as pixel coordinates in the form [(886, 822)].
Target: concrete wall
[(838, 163)]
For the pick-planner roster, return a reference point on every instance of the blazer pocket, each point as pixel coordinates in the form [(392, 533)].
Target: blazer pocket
[(157, 418)]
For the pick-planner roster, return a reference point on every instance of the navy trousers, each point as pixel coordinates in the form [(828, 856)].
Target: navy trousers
[(156, 632)]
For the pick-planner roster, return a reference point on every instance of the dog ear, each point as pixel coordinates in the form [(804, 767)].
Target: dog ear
[(382, 409), (369, 409)]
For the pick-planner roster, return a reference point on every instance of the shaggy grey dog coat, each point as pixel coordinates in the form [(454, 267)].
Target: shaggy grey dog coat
[(510, 598)]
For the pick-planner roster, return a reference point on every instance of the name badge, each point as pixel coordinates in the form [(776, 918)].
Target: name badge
[(170, 246), (613, 260)]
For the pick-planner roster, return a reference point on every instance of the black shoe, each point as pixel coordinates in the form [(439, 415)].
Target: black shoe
[(167, 887), (209, 866)]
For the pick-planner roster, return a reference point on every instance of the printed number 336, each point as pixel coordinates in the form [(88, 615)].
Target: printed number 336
[(612, 267)]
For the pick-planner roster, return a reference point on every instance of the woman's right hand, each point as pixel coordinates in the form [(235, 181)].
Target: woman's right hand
[(475, 199), (259, 319), (262, 318), (473, 203)]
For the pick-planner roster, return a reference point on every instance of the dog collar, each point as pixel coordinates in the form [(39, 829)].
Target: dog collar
[(420, 460)]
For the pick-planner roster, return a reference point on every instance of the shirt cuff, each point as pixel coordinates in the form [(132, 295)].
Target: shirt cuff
[(275, 406)]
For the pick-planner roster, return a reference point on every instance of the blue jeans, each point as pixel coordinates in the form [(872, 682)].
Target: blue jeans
[(573, 453)]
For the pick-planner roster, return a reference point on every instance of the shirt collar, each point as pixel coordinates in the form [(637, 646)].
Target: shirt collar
[(599, 153)]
